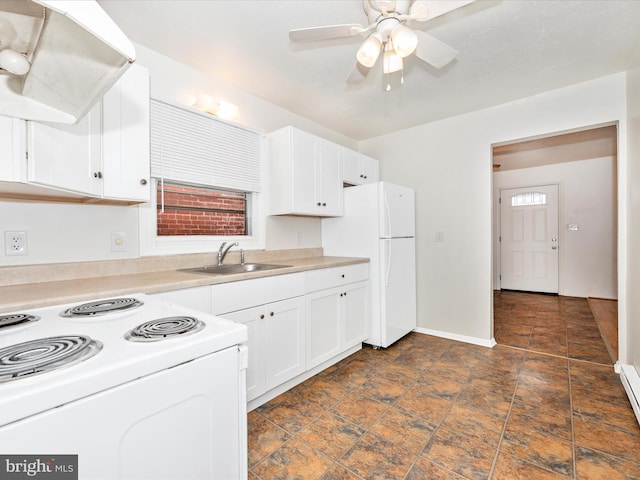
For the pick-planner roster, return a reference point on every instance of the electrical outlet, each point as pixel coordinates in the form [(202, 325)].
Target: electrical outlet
[(118, 242), (15, 243)]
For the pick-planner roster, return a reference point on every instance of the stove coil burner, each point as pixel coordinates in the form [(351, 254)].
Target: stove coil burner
[(45, 354), (15, 319), (102, 307), (163, 328)]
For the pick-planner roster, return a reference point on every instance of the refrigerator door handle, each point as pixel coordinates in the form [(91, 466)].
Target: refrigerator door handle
[(387, 254), (387, 217)]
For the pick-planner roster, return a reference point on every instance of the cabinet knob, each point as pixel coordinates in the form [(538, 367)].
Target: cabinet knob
[(143, 181), (343, 275), (318, 204), (97, 174), (262, 317), (324, 204), (362, 176), (365, 177), (340, 294), (271, 314), (345, 294)]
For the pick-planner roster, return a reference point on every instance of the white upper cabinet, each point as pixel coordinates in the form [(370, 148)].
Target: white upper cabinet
[(305, 174), (105, 155), (358, 168)]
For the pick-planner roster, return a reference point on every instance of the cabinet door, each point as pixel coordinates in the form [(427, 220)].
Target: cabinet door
[(358, 169), (368, 169), (125, 137), (67, 156), (13, 149), (254, 319), (284, 341), (324, 329), (355, 302), (303, 155), (329, 179)]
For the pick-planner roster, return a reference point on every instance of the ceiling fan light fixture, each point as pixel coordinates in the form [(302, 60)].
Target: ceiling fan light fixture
[(404, 40), (370, 50), (391, 62), (419, 11), (14, 62)]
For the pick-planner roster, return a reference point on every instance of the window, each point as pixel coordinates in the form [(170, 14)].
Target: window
[(528, 199), (207, 175), (195, 210)]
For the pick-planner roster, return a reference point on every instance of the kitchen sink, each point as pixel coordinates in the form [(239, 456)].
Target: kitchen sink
[(233, 268)]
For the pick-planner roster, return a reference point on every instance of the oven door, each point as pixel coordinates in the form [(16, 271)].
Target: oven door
[(181, 423)]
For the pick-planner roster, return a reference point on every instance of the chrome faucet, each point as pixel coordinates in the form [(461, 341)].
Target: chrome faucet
[(222, 251)]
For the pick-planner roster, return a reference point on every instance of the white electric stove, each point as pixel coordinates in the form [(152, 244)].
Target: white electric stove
[(137, 387)]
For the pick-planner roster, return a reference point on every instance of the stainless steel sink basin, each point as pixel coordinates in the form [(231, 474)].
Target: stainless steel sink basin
[(233, 268)]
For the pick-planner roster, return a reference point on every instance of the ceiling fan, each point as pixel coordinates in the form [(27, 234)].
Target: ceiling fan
[(389, 34)]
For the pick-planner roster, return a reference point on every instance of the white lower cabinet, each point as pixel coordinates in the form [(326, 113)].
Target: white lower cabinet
[(337, 319), (276, 343)]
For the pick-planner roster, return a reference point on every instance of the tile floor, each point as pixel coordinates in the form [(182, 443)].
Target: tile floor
[(543, 404)]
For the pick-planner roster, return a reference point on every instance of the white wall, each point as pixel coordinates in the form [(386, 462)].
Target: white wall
[(630, 337), (587, 197), (449, 164)]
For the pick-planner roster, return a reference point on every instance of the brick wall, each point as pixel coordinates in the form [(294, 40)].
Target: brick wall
[(200, 211)]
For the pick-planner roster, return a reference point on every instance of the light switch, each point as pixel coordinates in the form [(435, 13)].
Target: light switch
[(440, 237)]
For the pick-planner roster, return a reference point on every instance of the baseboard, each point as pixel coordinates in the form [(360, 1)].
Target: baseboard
[(459, 338), (631, 382)]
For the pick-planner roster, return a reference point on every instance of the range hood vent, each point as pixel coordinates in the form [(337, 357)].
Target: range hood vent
[(72, 50)]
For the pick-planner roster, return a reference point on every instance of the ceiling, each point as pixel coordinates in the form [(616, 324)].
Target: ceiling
[(508, 50)]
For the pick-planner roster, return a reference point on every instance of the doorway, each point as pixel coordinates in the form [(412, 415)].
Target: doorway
[(583, 164)]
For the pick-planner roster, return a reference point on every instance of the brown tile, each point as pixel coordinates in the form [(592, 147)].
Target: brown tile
[(423, 469), (359, 410), (323, 392), (295, 459), (351, 374), (492, 402), (467, 456), (331, 435), (472, 422), (399, 374), (617, 414), (442, 387), (419, 401), (264, 437), (527, 418), (291, 412), (608, 439), (373, 457), (547, 398), (510, 468), (544, 451), (382, 391), (590, 351), (592, 465), (338, 472), (452, 369), (403, 429)]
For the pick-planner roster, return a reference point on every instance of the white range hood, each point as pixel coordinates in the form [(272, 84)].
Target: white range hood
[(75, 53)]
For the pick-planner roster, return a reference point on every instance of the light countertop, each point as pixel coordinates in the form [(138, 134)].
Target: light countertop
[(33, 295)]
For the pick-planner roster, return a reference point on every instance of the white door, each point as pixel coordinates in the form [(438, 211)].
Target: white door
[(397, 206), (529, 239), (398, 289)]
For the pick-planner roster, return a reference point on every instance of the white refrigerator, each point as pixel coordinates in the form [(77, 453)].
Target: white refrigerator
[(379, 223)]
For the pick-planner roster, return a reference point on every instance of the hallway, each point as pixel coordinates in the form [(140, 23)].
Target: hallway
[(548, 407)]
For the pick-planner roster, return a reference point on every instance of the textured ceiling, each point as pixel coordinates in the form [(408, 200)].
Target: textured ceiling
[(508, 50)]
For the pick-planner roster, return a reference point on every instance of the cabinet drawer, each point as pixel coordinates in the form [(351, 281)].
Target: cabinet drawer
[(229, 297), (335, 276)]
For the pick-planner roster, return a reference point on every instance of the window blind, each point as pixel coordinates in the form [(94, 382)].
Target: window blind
[(197, 148)]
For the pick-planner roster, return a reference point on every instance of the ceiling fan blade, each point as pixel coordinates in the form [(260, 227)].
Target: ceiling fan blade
[(433, 51), (358, 74), (423, 10), (323, 33)]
